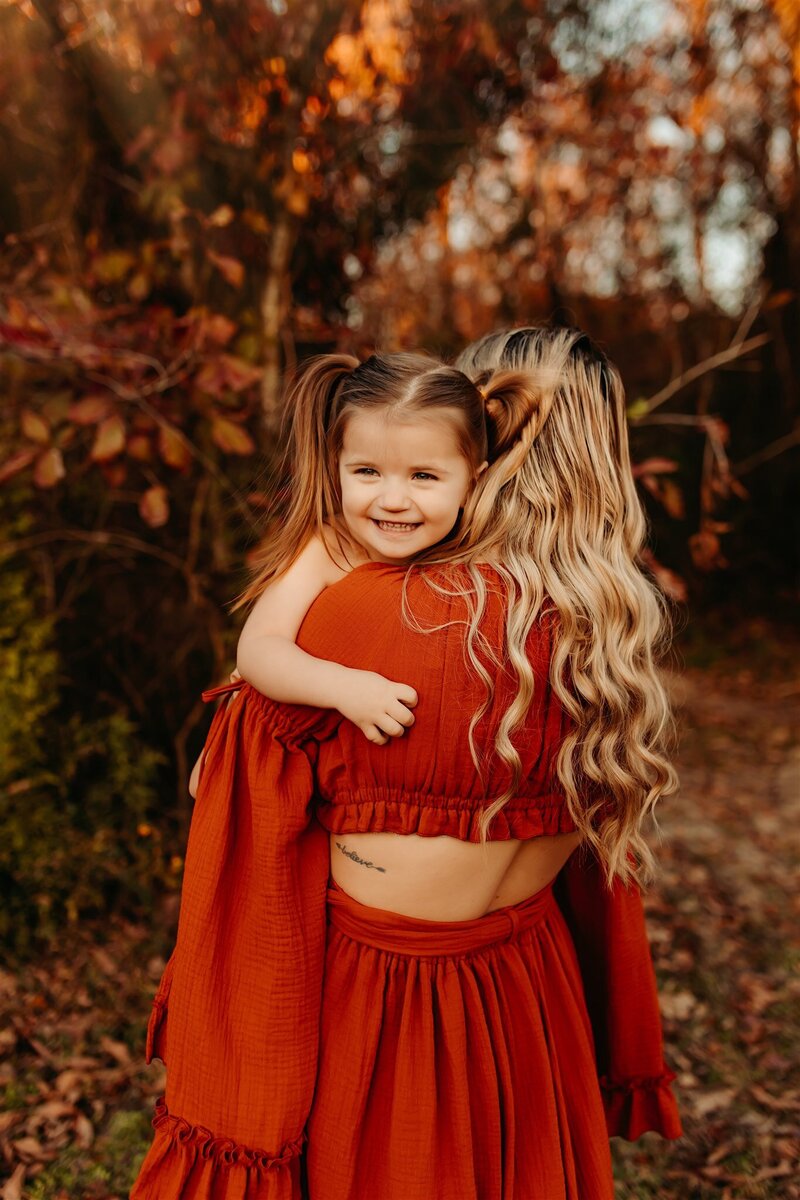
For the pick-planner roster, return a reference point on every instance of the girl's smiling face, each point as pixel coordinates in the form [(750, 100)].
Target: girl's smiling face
[(403, 480)]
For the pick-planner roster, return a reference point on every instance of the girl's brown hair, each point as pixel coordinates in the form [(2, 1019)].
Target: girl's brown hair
[(325, 392)]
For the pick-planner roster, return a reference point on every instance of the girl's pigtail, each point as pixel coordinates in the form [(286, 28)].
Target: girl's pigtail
[(310, 409), (310, 403)]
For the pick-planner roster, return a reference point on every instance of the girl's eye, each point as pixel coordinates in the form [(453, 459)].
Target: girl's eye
[(365, 471), (424, 475)]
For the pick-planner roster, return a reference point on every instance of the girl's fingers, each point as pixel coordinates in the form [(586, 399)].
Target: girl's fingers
[(390, 726), (400, 713), (373, 734)]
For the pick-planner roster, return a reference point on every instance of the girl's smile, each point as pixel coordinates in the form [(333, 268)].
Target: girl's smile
[(397, 526), (403, 480)]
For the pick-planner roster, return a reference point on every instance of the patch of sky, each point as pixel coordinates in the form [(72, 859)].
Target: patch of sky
[(509, 141), (732, 202), (498, 191), (355, 313), (779, 148), (390, 141), (608, 30), (729, 63), (678, 249), (713, 139), (352, 267), (595, 264), (663, 131), (668, 200), (730, 263), (463, 231), (568, 152)]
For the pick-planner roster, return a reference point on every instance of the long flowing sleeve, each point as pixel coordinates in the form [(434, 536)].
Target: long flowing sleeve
[(236, 1014), (610, 936)]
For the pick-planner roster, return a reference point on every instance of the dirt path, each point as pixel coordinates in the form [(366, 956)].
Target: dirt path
[(723, 922)]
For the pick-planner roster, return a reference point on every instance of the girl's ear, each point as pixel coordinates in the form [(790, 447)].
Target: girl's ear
[(481, 469)]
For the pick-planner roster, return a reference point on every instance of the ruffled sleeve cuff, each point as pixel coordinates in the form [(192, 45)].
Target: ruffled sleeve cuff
[(636, 1105), (186, 1160), (291, 724)]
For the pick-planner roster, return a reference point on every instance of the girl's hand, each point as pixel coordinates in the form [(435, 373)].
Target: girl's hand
[(379, 707)]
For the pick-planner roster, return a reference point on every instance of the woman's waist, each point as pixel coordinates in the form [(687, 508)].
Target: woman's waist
[(442, 878), (400, 933)]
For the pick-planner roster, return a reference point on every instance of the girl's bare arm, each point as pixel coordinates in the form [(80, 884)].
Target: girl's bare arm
[(268, 658)]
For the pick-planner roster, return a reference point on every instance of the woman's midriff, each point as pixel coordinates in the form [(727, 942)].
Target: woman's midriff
[(442, 878)]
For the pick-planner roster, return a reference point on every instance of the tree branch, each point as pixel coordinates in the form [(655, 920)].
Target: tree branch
[(736, 350)]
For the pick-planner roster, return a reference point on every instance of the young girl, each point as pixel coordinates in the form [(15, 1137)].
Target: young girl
[(427, 1028), (402, 438)]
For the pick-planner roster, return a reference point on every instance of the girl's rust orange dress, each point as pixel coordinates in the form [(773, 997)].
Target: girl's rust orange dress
[(319, 1049)]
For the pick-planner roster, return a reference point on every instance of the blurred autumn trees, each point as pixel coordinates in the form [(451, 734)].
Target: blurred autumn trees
[(198, 193)]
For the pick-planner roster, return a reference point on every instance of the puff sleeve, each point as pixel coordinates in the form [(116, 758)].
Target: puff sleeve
[(236, 1014), (610, 936)]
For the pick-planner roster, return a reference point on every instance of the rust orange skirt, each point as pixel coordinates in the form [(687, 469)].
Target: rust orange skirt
[(456, 1060)]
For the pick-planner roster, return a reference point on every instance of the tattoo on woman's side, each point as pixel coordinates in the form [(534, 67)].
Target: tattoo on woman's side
[(352, 854)]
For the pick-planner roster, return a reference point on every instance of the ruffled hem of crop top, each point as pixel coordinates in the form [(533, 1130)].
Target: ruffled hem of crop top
[(433, 816)]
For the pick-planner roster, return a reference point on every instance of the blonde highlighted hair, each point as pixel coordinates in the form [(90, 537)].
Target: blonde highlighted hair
[(557, 513)]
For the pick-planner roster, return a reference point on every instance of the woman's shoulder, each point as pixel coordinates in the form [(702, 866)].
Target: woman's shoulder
[(376, 602)]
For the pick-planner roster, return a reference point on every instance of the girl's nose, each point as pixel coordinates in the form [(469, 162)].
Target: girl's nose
[(394, 498)]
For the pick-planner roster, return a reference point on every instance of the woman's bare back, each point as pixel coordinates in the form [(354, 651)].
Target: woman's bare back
[(443, 878)]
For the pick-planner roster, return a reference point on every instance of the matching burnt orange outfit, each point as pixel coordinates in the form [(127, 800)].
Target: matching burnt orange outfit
[(318, 1048)]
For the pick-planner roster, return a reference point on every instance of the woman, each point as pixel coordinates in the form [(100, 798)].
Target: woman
[(441, 1017)]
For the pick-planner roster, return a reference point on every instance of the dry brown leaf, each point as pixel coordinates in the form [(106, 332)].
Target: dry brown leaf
[(231, 269), (89, 410), (230, 437), (44, 1052), (9, 1119), (104, 960), (705, 1102), (676, 1006), (70, 1083), (84, 1131), (49, 468), (154, 506), (30, 1149), (109, 440), (34, 426), (12, 1189), (118, 1050), (173, 449), (788, 1103), (18, 462)]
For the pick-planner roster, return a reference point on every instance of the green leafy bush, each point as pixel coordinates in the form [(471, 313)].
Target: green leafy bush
[(75, 792)]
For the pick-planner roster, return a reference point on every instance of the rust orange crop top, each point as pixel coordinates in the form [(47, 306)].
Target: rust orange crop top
[(236, 1015), (426, 781)]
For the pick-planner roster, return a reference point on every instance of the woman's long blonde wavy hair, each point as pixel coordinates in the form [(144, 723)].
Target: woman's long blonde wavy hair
[(559, 517)]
